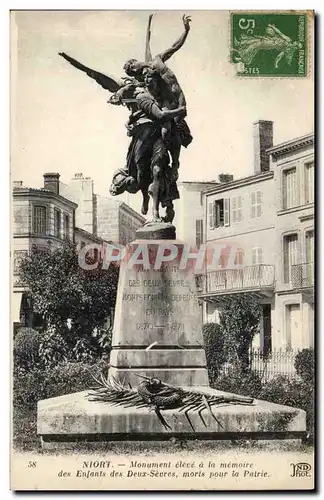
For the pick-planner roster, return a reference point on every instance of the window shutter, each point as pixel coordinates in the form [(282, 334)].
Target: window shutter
[(259, 204), (253, 205), (239, 208), (309, 183), (211, 215), (199, 232), (214, 214), (234, 213), (226, 212), (260, 258)]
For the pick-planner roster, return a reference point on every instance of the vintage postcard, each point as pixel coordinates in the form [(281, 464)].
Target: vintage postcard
[(162, 298)]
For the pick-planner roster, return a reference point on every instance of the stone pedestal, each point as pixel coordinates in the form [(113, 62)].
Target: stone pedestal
[(72, 418), (157, 329), (157, 333)]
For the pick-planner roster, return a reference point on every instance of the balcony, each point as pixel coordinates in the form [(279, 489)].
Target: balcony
[(258, 279), (302, 275)]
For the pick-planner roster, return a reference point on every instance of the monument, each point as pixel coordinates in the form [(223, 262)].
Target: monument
[(157, 385)]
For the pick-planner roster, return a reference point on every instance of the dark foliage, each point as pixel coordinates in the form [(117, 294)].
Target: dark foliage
[(26, 348), (247, 383), (305, 365), (65, 378), (214, 348)]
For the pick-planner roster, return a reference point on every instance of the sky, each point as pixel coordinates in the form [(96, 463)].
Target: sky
[(60, 119)]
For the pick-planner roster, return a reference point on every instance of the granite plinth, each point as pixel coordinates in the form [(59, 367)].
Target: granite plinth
[(73, 417), (157, 327)]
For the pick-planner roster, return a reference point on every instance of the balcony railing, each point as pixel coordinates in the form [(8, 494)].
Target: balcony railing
[(246, 278), (302, 275)]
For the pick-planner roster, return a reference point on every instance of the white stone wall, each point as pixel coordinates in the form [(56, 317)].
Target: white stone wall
[(189, 208)]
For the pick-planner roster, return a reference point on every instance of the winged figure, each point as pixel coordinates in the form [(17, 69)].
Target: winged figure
[(156, 124), (249, 46)]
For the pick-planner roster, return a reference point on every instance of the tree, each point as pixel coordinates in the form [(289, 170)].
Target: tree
[(214, 349), (61, 290), (239, 320)]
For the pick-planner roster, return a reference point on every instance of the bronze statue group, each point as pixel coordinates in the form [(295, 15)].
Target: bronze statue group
[(156, 125)]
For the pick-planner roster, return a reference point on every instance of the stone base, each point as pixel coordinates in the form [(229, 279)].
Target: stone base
[(71, 418), (156, 231)]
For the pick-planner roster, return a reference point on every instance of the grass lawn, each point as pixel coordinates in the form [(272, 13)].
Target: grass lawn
[(25, 439)]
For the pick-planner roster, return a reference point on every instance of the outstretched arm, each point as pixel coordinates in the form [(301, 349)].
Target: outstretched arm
[(179, 43), (279, 33)]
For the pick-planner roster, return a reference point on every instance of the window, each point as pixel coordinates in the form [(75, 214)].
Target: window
[(219, 209), (199, 232), (256, 255), (309, 246), (290, 188), (219, 213), (266, 330), (39, 220), (309, 183), (57, 223), (237, 209), (239, 257), (256, 204), (66, 226), (293, 325), (291, 253), (308, 272), (211, 214), (226, 212)]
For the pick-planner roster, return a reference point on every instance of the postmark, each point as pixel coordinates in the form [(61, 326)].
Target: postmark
[(269, 44)]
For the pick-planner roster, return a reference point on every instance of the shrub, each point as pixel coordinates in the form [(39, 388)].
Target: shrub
[(26, 348), (305, 365), (69, 377), (214, 348), (295, 392), (30, 387), (53, 348), (238, 382), (279, 390)]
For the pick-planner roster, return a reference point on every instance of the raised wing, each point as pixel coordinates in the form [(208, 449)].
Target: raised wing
[(107, 82), (148, 54)]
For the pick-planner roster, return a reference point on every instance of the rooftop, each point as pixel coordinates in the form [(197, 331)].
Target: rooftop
[(293, 144), (42, 192), (225, 186)]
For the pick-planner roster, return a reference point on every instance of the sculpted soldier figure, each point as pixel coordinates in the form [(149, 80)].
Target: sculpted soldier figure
[(158, 107)]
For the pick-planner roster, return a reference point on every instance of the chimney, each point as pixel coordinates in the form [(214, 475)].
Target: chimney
[(17, 184), (51, 182), (262, 140), (222, 178)]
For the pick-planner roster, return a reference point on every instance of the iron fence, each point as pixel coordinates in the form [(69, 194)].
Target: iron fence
[(278, 362)]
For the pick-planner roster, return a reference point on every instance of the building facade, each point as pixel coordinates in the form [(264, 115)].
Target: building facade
[(189, 211), (104, 217), (267, 221), (41, 218), (47, 217), (293, 166)]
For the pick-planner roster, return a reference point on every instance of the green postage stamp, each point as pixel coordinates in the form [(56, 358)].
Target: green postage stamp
[(269, 44)]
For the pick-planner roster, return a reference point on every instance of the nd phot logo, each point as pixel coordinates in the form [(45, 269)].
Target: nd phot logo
[(301, 469)]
